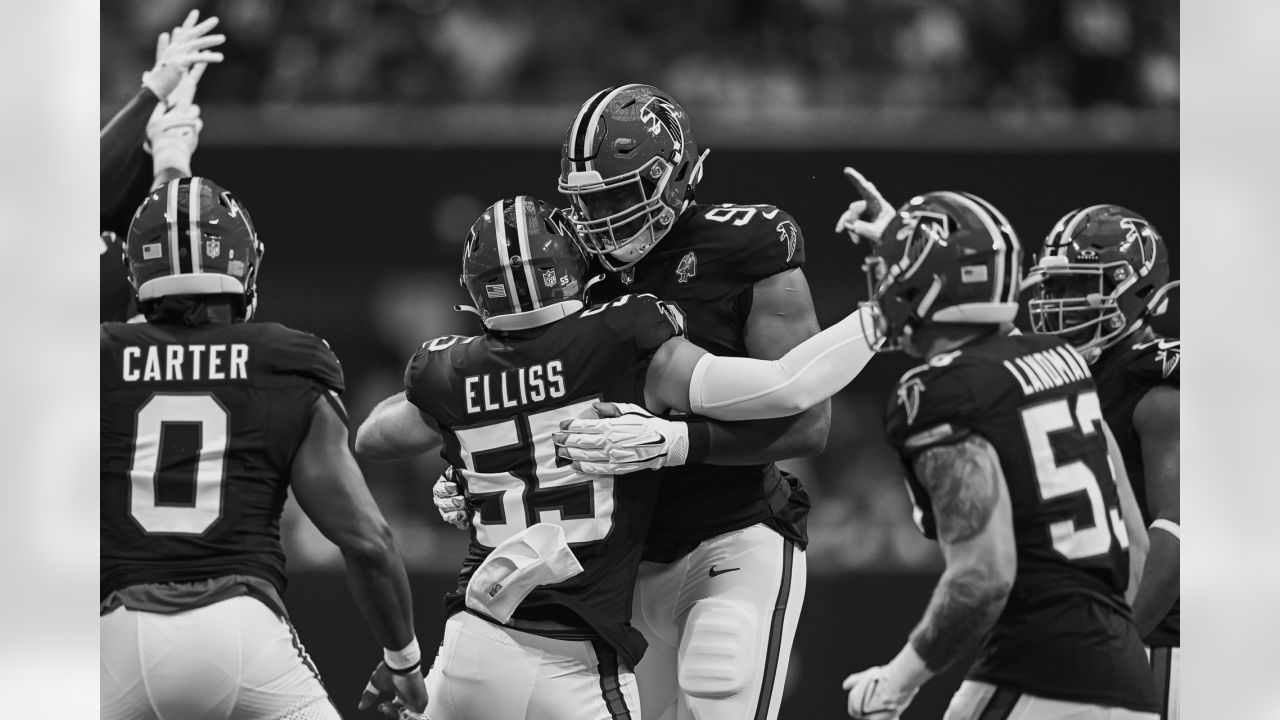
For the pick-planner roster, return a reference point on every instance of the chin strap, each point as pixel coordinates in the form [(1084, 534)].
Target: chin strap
[(468, 308), (1158, 303)]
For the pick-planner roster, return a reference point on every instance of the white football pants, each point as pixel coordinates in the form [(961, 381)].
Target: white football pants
[(984, 701), (720, 622), (232, 660), (485, 671)]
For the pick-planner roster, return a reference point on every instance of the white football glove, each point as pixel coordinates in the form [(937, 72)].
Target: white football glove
[(871, 205), (178, 51), (450, 501), (626, 438), (172, 136), (873, 695)]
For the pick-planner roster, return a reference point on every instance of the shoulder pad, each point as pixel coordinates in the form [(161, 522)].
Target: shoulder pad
[(1157, 361), (929, 406), (642, 319), (768, 240), (295, 352), (415, 373)]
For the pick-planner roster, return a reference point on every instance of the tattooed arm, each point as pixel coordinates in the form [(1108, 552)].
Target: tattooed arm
[(975, 529)]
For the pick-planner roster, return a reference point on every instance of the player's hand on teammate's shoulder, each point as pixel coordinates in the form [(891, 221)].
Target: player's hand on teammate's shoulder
[(450, 500), (178, 51), (409, 690), (867, 217), (624, 438)]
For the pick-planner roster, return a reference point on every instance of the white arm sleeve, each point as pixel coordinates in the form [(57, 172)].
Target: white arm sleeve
[(732, 388)]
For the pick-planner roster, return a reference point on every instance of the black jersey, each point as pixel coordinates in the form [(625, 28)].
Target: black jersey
[(199, 426), (1066, 632), (707, 266), (497, 398), (1125, 374), (115, 294)]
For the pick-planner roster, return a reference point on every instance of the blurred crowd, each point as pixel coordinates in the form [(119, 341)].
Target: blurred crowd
[(737, 54)]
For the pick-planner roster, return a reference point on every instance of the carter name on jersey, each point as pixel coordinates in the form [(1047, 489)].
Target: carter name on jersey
[(512, 388), (1048, 369), (169, 363)]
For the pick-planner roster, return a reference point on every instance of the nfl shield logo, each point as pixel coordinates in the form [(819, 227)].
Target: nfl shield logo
[(549, 277), (212, 248)]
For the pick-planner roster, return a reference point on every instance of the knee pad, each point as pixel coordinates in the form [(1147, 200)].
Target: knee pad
[(717, 648)]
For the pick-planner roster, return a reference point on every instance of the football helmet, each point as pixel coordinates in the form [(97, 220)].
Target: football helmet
[(1102, 272), (192, 237), (628, 166), (522, 265), (944, 257)]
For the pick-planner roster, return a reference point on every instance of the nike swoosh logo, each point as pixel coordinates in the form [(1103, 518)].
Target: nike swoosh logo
[(714, 572)]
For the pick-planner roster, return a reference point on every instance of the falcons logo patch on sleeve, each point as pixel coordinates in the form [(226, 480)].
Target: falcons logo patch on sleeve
[(788, 234)]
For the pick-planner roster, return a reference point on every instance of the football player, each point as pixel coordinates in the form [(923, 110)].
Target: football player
[(208, 420), (725, 555), (496, 401), (1102, 274), (162, 113), (1010, 468)]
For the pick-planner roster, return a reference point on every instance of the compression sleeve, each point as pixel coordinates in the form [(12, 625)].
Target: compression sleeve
[(733, 388)]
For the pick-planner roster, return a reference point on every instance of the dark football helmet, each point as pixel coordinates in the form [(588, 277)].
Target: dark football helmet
[(1103, 271), (945, 257), (191, 237), (521, 263), (628, 166)]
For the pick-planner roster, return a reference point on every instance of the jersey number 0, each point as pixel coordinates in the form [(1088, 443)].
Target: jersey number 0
[(180, 440)]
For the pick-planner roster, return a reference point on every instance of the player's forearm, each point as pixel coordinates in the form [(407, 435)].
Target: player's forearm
[(394, 430), (733, 388), (123, 135), (1159, 588), (380, 587), (965, 605), (761, 441)]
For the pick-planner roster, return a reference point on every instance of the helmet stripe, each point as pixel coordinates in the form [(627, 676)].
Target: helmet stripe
[(1070, 229), (997, 290), (193, 212), (589, 132), (522, 236), (578, 135), (504, 255), (172, 220), (1012, 269)]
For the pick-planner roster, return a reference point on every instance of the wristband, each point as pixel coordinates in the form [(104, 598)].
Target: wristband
[(405, 660), (699, 442), (1168, 526), (907, 671)]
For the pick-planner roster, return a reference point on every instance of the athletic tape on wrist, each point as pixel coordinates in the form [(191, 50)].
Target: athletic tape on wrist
[(1168, 526), (405, 660)]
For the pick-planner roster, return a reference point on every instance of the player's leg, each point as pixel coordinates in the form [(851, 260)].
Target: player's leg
[(654, 613), (479, 672), (744, 591), (984, 701), (190, 661), (1166, 665), (278, 679), (122, 694)]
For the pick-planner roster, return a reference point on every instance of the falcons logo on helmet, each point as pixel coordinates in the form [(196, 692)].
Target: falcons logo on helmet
[(658, 114)]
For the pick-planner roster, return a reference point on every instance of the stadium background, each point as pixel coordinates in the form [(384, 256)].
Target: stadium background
[(366, 135)]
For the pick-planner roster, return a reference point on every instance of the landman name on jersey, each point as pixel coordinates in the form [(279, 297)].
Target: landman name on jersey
[(1047, 369), (168, 363), (513, 388)]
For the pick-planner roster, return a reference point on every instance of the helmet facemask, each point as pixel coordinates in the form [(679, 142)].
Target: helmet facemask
[(1080, 302)]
